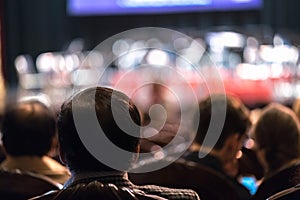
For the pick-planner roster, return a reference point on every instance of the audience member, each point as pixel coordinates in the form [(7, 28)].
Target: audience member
[(84, 167), (276, 135), (222, 157), (28, 130)]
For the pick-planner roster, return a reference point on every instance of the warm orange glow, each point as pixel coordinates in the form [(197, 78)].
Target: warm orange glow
[(2, 87)]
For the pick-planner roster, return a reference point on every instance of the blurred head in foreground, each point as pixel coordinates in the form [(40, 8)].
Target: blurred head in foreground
[(28, 129)]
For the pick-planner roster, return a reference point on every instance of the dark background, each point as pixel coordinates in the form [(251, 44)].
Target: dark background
[(36, 26)]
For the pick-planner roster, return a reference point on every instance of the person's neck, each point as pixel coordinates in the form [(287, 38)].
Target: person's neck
[(80, 175)]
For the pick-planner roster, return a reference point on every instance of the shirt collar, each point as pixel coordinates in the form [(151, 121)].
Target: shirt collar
[(80, 176)]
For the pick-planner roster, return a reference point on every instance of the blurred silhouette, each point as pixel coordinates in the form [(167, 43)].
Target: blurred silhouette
[(277, 137), (29, 129), (222, 157)]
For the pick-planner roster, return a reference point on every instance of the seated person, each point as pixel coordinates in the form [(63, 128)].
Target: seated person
[(28, 130), (277, 137), (222, 157), (99, 133)]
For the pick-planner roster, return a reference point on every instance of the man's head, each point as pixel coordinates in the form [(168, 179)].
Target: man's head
[(102, 101), (236, 119), (28, 129)]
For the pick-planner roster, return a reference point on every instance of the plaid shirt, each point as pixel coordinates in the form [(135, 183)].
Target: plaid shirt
[(122, 181)]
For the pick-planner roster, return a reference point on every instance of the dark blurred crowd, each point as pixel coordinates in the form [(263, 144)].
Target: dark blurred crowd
[(236, 152)]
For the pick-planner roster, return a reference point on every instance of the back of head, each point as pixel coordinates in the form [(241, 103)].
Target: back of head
[(277, 133), (28, 129), (236, 117), (103, 101)]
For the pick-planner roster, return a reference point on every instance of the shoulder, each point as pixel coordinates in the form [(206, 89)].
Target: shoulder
[(169, 193), (53, 164), (282, 180), (96, 190)]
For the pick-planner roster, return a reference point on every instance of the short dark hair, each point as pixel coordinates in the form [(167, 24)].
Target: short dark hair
[(236, 118), (77, 156), (277, 132), (28, 128)]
